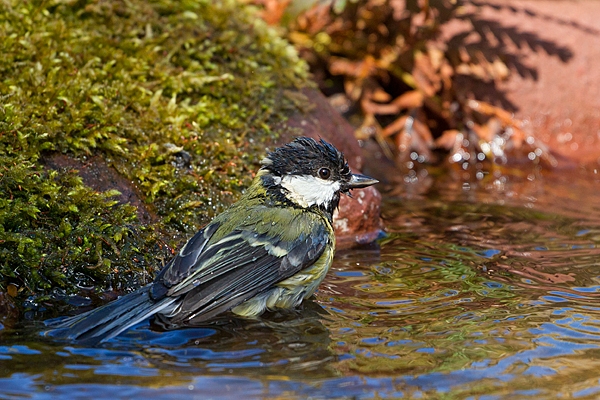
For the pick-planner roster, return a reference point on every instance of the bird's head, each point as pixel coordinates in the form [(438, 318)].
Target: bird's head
[(310, 173)]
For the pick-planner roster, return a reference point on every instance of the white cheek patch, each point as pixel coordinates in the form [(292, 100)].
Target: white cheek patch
[(307, 190)]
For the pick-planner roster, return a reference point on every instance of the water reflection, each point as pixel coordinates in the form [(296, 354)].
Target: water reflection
[(473, 293), (284, 344)]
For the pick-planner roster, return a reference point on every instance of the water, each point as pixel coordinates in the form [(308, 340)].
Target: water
[(487, 290)]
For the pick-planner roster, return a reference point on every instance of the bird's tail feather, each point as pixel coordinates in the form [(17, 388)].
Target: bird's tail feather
[(108, 321)]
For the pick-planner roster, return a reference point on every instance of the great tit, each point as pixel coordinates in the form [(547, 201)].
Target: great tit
[(269, 251)]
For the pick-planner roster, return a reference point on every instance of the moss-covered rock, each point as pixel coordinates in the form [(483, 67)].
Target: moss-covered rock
[(179, 97)]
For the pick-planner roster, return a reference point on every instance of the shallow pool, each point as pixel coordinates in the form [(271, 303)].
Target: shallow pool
[(481, 290)]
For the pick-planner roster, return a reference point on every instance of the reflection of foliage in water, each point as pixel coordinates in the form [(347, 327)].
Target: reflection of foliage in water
[(470, 295), (421, 310)]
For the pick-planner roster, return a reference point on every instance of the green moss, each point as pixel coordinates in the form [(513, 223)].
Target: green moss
[(177, 96)]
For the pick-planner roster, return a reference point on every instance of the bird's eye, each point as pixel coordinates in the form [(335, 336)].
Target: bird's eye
[(324, 173)]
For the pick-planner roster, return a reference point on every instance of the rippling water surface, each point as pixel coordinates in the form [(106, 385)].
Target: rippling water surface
[(479, 291)]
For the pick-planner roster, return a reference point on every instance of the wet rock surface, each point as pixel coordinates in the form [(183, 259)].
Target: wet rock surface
[(97, 174)]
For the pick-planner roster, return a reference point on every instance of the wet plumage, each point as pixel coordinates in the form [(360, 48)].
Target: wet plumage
[(268, 251)]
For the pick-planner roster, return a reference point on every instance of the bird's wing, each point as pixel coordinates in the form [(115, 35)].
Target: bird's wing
[(243, 263), (184, 263)]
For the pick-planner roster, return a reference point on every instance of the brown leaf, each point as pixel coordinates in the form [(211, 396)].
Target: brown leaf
[(315, 19), (500, 70), (436, 57), (518, 137), (425, 75), (423, 132), (379, 95), (486, 132), (410, 99), (399, 9), (488, 109), (357, 69), (353, 89), (272, 10), (446, 72), (370, 107), (418, 21), (397, 126), (448, 139)]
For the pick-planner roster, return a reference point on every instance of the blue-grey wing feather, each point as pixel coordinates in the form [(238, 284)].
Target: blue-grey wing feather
[(241, 265), (184, 264)]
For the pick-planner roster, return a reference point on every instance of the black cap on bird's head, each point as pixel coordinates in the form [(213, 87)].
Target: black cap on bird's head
[(312, 173), (304, 156)]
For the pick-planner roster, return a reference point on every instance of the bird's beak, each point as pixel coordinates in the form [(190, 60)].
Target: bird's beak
[(360, 181)]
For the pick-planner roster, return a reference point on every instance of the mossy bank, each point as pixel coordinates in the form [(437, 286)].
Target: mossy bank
[(178, 97)]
